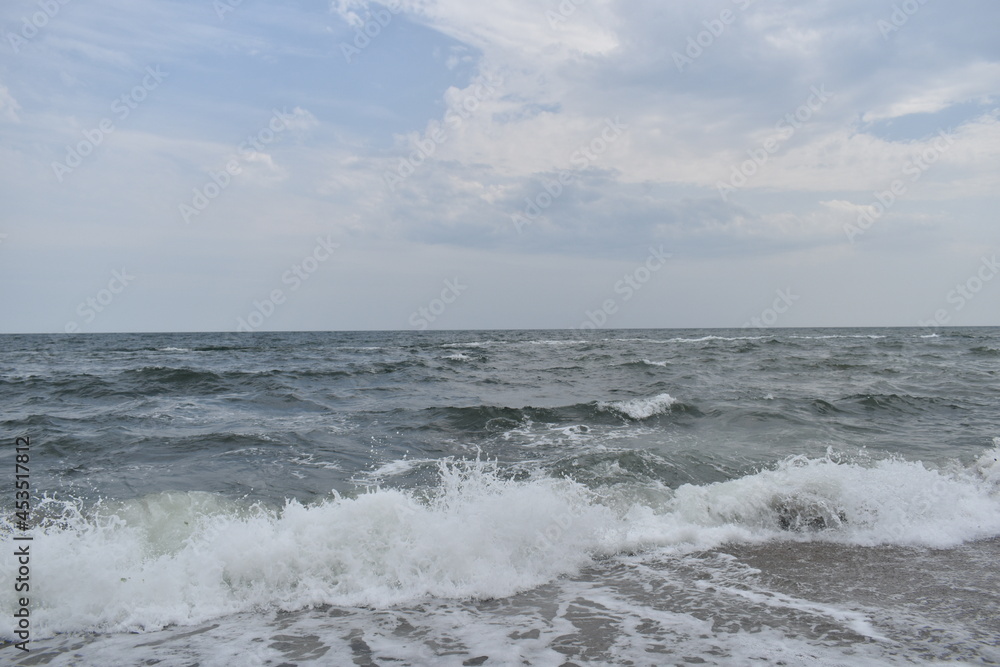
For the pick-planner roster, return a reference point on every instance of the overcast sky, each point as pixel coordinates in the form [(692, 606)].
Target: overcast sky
[(200, 165)]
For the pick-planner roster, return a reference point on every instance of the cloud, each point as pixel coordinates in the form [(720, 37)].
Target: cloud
[(457, 118), (8, 106), (939, 90), (562, 79), (300, 119)]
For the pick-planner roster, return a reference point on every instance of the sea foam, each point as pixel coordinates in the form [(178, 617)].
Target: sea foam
[(182, 558), (639, 408), (185, 558)]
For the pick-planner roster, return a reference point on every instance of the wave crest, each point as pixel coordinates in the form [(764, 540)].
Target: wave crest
[(184, 558), (639, 408)]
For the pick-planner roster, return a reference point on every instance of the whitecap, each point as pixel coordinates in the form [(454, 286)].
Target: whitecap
[(640, 408)]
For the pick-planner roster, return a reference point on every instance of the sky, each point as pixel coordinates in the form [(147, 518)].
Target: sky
[(224, 165)]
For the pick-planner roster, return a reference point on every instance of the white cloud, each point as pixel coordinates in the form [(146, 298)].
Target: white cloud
[(545, 112), (8, 106), (300, 119), (523, 28), (559, 71), (936, 91)]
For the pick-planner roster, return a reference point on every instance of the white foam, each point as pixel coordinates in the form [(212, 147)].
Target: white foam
[(308, 459), (701, 339), (640, 408), (397, 467), (708, 338), (458, 356), (832, 336), (889, 502), (557, 342), (485, 343), (988, 465), (654, 363), (488, 343), (856, 621), (185, 558), (549, 435)]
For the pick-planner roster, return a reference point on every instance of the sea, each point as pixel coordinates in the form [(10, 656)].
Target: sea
[(601, 497)]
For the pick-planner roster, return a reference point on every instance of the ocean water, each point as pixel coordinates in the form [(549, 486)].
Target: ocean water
[(653, 497)]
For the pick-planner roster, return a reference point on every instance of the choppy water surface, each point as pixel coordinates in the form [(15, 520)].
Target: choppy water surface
[(465, 498)]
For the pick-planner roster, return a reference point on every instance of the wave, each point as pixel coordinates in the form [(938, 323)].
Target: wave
[(640, 408), (641, 363), (165, 376), (500, 418), (988, 465), (197, 348), (72, 385), (700, 339), (833, 336), (81, 385), (158, 379), (902, 403), (385, 367), (490, 343), (185, 558), (771, 336), (704, 339), (892, 501), (556, 342), (182, 558), (485, 417)]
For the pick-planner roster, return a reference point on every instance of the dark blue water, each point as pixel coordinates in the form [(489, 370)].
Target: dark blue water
[(665, 480)]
